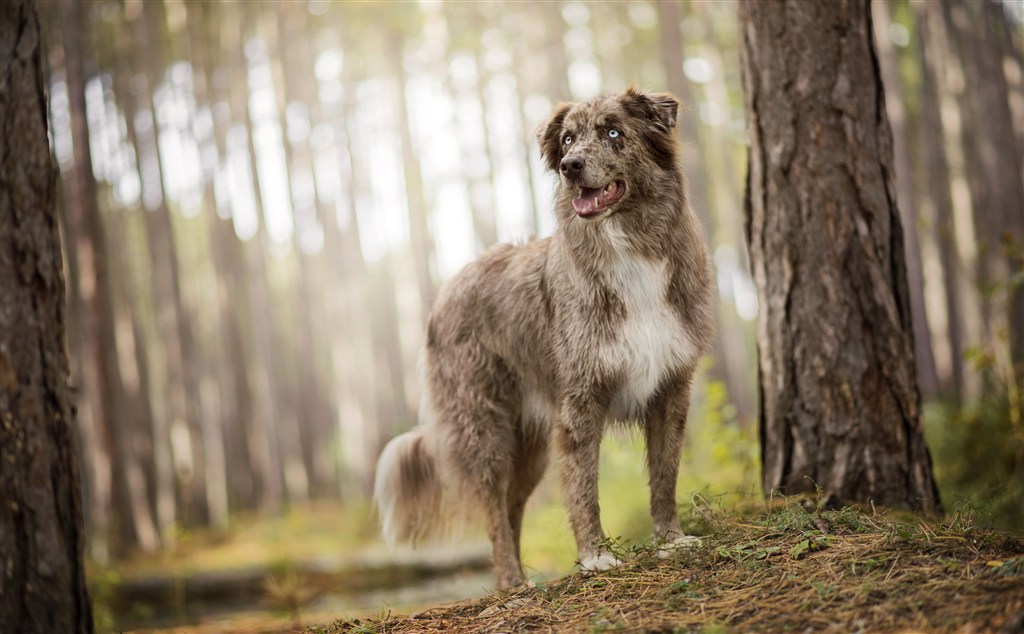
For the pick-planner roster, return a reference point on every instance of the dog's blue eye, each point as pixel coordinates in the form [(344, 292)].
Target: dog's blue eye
[(613, 133), (568, 139)]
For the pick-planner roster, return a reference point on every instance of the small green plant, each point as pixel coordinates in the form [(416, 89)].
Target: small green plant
[(289, 590), (808, 545)]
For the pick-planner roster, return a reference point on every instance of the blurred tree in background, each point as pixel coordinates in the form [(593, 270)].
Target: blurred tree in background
[(259, 201)]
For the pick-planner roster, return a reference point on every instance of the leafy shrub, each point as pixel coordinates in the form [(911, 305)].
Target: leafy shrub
[(978, 458)]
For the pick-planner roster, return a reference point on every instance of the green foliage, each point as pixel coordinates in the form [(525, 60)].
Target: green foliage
[(810, 544), (978, 456), (721, 451), (102, 584)]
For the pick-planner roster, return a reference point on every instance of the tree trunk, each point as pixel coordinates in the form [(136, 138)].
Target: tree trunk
[(938, 196), (995, 166), (133, 521), (519, 45), (422, 242), (271, 410), (355, 361), (42, 588), (291, 76), (554, 51), (738, 343), (174, 317), (840, 404), (95, 463), (907, 199), (240, 419), (152, 367), (724, 344)]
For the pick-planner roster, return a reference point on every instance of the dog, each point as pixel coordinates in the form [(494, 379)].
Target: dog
[(554, 339)]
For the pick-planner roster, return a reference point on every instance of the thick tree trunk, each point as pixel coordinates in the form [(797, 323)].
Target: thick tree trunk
[(840, 404), (42, 586)]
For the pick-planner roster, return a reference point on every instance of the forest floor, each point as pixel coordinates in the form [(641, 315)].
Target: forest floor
[(788, 567)]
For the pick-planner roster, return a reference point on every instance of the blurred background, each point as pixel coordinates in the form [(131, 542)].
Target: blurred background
[(260, 200)]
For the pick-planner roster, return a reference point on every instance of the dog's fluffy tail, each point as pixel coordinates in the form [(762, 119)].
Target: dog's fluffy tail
[(408, 490)]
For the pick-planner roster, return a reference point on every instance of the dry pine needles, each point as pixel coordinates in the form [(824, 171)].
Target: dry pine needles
[(793, 567)]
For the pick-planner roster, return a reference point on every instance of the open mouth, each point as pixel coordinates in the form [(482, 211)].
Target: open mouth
[(593, 200)]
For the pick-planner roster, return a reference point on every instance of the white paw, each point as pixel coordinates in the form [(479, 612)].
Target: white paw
[(599, 562), (673, 545)]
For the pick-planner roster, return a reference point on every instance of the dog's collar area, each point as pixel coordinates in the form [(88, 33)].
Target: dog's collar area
[(591, 201)]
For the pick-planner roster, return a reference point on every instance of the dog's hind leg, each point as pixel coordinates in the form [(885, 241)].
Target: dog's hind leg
[(506, 557), (663, 428), (488, 473), (530, 463), (478, 411)]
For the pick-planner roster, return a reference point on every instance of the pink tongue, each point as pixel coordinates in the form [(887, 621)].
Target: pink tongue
[(588, 202)]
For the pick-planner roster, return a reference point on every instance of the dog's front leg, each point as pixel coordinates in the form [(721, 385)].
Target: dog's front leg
[(579, 438), (663, 428)]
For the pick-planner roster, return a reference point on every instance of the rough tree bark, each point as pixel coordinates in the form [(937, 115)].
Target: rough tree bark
[(42, 584), (840, 403)]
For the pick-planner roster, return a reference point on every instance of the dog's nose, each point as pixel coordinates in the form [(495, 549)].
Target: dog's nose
[(572, 166)]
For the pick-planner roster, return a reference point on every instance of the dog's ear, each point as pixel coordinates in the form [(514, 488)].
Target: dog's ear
[(549, 135), (658, 112), (659, 108)]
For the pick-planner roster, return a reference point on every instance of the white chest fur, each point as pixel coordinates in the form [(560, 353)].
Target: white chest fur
[(652, 341)]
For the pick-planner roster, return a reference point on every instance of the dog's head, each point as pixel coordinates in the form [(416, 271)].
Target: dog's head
[(610, 149)]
